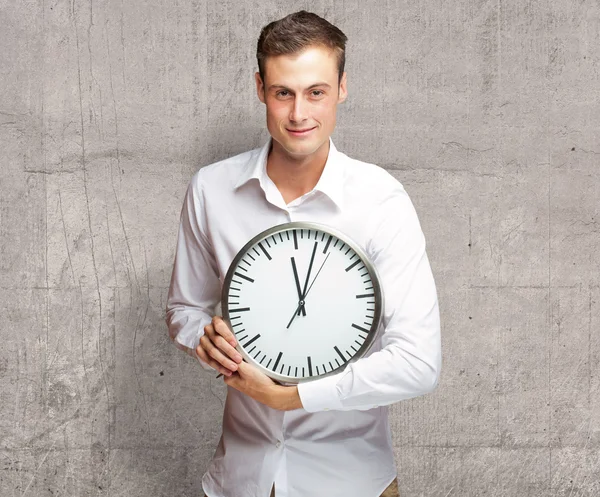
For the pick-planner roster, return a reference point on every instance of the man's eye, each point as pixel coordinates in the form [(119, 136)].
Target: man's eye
[(318, 93), (279, 93)]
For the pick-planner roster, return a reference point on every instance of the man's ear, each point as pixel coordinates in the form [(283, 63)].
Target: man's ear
[(342, 91), (260, 87)]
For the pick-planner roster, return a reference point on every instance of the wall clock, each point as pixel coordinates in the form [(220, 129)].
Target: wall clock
[(303, 300)]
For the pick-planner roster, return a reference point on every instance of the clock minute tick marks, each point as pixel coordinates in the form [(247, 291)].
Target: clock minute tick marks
[(257, 354), (241, 309), (352, 265), (269, 362), (252, 340), (263, 358), (267, 242), (339, 353), (263, 249), (257, 252), (241, 331), (359, 328), (277, 361), (237, 324), (327, 244), (245, 277), (250, 255)]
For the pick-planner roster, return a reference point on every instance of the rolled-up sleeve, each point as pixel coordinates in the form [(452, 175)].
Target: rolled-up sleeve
[(194, 291), (409, 362)]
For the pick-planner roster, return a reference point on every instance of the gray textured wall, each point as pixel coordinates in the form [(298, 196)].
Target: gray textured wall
[(487, 112)]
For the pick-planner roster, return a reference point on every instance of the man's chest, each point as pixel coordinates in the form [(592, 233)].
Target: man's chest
[(231, 224)]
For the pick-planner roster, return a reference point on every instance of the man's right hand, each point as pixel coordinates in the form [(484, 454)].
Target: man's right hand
[(216, 347)]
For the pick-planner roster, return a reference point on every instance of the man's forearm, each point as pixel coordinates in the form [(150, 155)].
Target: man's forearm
[(286, 398)]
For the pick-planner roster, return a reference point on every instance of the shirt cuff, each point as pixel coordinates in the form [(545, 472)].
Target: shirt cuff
[(321, 394)]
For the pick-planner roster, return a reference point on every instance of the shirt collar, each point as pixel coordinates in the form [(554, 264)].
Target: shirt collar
[(330, 183)]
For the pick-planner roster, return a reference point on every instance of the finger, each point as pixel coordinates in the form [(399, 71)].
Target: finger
[(227, 349), (212, 363), (212, 351), (222, 329)]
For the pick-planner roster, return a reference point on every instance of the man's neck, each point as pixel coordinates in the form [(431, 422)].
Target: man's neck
[(295, 176)]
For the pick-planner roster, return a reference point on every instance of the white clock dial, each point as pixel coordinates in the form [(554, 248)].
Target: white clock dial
[(302, 300)]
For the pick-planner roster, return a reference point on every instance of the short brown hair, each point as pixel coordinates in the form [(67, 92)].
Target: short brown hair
[(298, 31)]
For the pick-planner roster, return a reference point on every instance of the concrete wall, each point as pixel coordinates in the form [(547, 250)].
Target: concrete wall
[(487, 112)]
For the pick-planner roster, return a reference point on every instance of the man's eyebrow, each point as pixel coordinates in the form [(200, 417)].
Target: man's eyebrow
[(311, 86)]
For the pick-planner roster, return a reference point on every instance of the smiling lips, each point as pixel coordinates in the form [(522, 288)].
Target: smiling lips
[(300, 132)]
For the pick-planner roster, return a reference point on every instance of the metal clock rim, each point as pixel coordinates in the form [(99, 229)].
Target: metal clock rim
[(377, 290)]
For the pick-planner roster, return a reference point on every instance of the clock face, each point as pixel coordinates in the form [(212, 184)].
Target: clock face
[(302, 300)]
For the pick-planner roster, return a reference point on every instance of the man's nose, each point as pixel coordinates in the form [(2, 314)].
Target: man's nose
[(299, 109)]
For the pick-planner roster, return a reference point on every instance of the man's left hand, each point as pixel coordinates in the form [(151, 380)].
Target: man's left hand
[(250, 380)]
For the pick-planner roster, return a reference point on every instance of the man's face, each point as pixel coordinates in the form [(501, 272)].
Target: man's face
[(300, 92)]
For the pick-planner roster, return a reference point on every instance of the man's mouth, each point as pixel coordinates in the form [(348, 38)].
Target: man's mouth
[(300, 132)]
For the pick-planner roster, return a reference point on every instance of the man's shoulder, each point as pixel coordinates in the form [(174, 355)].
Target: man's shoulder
[(369, 176), (225, 172)]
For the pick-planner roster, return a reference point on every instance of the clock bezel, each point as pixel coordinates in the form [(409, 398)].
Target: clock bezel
[(377, 290)]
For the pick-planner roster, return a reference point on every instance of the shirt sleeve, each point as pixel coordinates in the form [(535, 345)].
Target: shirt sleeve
[(194, 292), (409, 362)]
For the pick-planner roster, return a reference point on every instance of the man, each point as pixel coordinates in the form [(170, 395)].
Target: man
[(329, 437)]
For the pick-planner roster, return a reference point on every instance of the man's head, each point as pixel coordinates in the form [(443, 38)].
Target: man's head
[(301, 79)]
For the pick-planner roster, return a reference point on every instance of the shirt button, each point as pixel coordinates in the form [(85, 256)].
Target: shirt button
[(278, 444)]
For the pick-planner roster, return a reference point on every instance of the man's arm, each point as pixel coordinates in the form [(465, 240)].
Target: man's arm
[(194, 291), (409, 363)]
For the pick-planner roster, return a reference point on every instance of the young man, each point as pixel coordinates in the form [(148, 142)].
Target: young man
[(329, 437)]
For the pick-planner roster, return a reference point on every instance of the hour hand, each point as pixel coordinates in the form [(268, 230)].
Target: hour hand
[(298, 288)]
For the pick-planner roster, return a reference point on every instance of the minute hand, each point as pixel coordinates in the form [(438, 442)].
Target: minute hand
[(301, 303)]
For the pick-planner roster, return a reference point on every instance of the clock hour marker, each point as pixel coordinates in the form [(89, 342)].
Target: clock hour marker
[(365, 295), (241, 309), (277, 361), (360, 328), (255, 338), (263, 249), (352, 265), (245, 277), (296, 374), (303, 372), (339, 353), (309, 366), (295, 240), (327, 244)]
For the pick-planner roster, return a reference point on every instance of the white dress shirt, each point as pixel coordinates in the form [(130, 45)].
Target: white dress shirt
[(339, 444)]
